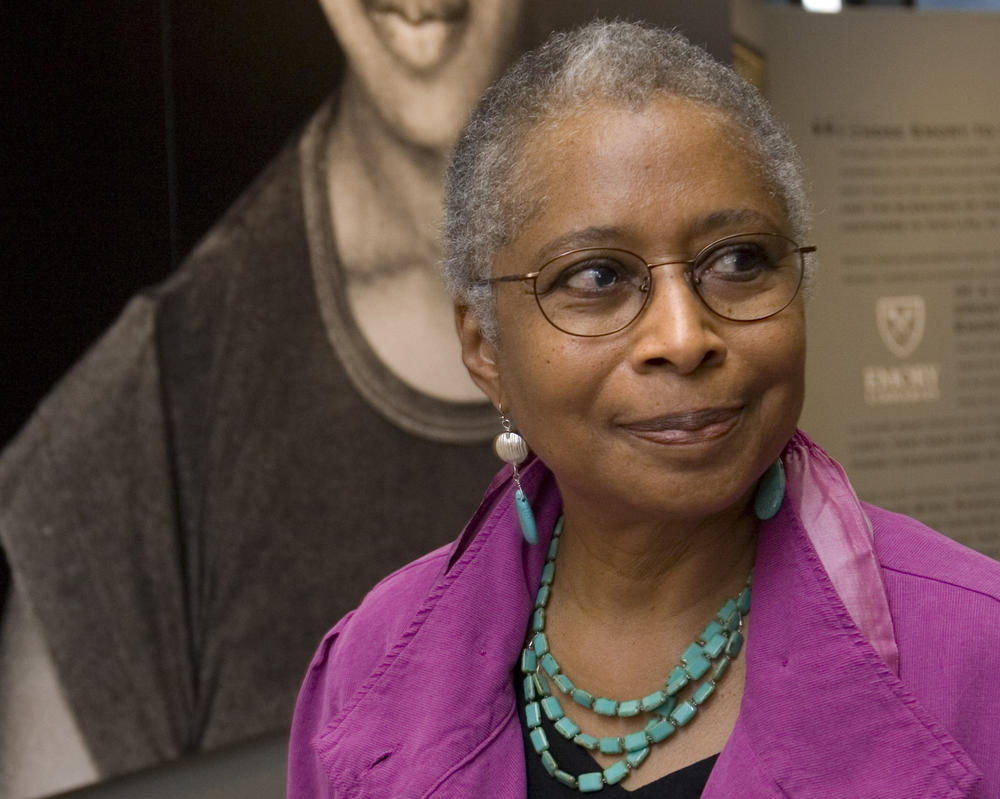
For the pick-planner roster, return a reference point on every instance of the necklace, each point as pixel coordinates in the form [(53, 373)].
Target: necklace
[(710, 654)]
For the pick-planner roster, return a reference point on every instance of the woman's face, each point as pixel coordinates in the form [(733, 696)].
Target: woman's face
[(424, 63), (682, 411)]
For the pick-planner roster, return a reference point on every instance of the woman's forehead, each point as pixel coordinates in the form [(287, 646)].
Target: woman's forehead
[(671, 161)]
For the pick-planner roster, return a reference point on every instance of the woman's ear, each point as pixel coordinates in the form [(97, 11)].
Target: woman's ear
[(478, 354)]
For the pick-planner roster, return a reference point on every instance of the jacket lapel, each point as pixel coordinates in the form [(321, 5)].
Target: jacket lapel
[(822, 714), (454, 668)]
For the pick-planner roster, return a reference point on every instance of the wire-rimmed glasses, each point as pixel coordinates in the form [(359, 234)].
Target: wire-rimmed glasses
[(598, 291)]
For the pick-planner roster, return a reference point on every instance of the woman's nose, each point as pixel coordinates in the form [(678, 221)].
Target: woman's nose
[(675, 328)]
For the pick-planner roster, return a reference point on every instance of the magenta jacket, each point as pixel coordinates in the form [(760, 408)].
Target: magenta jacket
[(873, 661)]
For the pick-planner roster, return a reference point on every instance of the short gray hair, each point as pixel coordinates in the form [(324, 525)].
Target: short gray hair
[(626, 63)]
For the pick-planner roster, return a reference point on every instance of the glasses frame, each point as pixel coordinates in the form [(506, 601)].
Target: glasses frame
[(647, 284)]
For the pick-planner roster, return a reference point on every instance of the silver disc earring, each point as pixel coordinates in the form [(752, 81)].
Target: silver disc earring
[(511, 448)]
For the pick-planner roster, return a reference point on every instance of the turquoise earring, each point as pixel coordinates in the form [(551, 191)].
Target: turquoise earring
[(511, 448), (770, 492)]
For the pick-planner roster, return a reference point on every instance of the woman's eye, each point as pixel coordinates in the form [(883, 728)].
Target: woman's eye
[(737, 262), (591, 276)]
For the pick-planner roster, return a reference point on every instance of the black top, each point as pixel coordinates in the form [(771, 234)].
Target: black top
[(687, 783)]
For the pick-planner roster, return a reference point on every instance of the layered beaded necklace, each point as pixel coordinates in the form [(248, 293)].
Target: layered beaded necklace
[(710, 655)]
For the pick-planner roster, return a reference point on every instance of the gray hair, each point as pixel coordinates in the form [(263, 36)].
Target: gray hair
[(626, 63)]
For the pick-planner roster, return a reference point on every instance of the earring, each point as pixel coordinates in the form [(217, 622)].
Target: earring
[(511, 448), (770, 492)]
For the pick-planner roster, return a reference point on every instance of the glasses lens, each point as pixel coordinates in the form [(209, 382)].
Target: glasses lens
[(592, 292), (750, 277)]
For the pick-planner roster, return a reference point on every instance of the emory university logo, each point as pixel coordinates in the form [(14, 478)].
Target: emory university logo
[(901, 323)]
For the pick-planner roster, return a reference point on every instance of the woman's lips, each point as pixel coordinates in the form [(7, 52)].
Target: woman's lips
[(420, 33), (691, 427)]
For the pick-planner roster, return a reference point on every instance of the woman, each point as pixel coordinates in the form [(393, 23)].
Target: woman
[(621, 227), (160, 469)]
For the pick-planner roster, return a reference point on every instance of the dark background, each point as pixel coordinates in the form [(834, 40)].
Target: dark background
[(123, 144), (131, 125)]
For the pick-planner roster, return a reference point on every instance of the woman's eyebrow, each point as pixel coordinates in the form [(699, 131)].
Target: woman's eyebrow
[(593, 236), (752, 220)]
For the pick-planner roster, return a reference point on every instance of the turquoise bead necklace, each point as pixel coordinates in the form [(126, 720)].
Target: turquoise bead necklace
[(710, 655)]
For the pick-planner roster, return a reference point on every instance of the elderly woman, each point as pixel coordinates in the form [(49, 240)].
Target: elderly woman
[(623, 239)]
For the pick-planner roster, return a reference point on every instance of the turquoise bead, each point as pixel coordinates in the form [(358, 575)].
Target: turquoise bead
[(653, 700), (550, 664), (538, 620), (548, 573), (590, 782), (528, 661), (628, 709), (659, 730), (770, 492), (667, 707), (712, 630), (610, 745), (733, 622), (586, 741), (539, 740), (583, 698), (705, 690), (691, 653), (715, 645), (541, 684), (567, 728), (678, 679), (735, 642), (552, 708), (542, 597), (635, 741), (697, 667), (720, 669), (743, 601), (540, 644), (529, 689), (565, 683), (634, 759), (549, 763), (727, 610), (553, 548), (615, 773), (532, 715), (605, 706), (683, 713), (525, 517), (566, 779)]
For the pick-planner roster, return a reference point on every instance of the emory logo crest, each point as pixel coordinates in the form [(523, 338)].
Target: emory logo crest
[(901, 323)]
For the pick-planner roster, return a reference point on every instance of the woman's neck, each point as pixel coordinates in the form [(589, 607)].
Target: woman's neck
[(386, 191), (627, 600), (646, 570), (386, 213)]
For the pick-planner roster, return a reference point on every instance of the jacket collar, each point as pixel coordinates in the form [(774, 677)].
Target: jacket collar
[(450, 675), (823, 714)]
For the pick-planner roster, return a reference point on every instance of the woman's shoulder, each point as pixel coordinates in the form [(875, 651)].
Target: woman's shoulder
[(913, 552), (944, 599), (362, 639), (388, 608)]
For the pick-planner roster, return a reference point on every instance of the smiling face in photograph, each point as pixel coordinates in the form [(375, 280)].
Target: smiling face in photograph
[(424, 63), (681, 411)]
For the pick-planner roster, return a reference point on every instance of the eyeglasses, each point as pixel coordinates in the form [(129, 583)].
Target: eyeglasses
[(599, 291)]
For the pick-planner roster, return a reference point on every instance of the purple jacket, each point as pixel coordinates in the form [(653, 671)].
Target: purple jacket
[(873, 661)]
